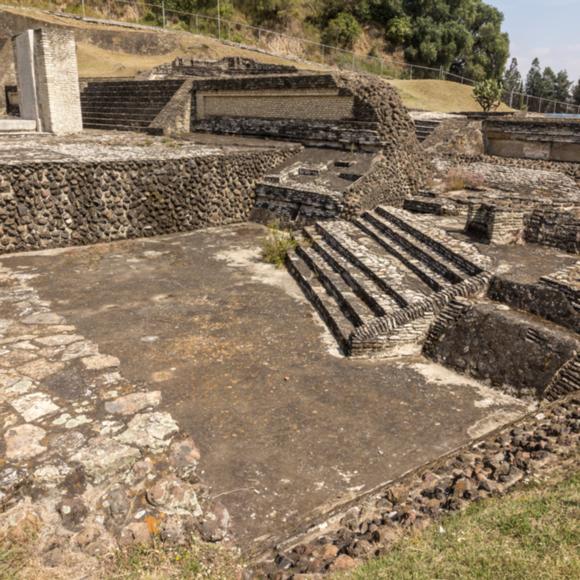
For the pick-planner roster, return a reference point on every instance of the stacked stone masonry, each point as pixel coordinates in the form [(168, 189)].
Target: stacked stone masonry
[(47, 205), (532, 138), (378, 281), (514, 351), (125, 105)]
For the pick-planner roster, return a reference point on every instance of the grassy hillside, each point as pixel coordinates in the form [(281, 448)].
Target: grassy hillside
[(440, 96), (113, 51)]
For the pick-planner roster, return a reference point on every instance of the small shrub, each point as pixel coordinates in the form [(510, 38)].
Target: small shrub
[(458, 178), (276, 246), (488, 94)]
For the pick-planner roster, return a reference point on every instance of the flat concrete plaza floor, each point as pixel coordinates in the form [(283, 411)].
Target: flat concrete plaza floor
[(286, 427)]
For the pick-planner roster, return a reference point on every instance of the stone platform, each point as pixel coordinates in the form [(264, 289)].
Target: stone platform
[(286, 428)]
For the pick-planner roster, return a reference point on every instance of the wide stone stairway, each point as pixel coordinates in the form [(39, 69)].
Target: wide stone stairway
[(378, 281), (125, 105)]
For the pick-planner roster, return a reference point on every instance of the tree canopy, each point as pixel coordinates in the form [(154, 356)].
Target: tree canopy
[(462, 36)]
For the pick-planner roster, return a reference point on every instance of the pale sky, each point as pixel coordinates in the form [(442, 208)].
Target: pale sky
[(548, 29)]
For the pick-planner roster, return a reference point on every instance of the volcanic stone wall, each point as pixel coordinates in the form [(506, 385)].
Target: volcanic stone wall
[(378, 121), (402, 168), (551, 227), (541, 299), (495, 224), (47, 205), (514, 352)]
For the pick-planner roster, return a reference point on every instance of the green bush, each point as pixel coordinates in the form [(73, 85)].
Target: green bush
[(488, 94), (276, 246), (342, 31)]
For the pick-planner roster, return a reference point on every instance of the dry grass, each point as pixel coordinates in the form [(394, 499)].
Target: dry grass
[(458, 178), (157, 562), (276, 245), (95, 61), (440, 96)]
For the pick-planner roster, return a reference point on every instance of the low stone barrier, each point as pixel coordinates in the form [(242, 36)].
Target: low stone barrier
[(47, 205)]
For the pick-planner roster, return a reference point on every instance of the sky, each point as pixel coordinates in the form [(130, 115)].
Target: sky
[(548, 29)]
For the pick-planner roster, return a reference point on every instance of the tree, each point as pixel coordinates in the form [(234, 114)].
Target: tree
[(548, 83), (562, 87), (343, 31), (576, 93), (512, 79), (400, 29), (534, 82), (488, 94)]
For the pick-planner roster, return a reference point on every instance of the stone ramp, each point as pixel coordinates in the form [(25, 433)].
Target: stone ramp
[(377, 281), (125, 105)]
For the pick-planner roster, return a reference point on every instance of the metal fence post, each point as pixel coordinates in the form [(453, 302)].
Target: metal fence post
[(353, 62), (219, 18), (163, 12), (84, 12)]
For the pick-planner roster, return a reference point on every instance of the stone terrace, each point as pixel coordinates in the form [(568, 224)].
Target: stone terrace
[(226, 347)]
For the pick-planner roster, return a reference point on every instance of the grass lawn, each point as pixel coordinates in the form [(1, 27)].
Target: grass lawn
[(531, 534), (435, 95)]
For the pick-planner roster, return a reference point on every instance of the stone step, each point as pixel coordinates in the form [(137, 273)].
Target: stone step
[(120, 116), (357, 312), (126, 99), (132, 87), (338, 324), (110, 121), (110, 127), (16, 125), (122, 108), (440, 269), (368, 291), (445, 246), (381, 267), (431, 279)]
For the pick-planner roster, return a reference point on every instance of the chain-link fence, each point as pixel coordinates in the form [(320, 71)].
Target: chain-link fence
[(278, 43)]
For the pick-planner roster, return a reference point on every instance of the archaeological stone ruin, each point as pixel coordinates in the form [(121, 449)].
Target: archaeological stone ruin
[(162, 380)]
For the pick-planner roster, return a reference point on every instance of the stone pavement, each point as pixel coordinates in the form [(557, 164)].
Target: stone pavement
[(109, 350), (102, 464)]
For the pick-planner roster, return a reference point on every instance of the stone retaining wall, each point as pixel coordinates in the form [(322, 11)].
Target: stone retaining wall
[(559, 229), (512, 350), (47, 205), (533, 138), (539, 299), (496, 225)]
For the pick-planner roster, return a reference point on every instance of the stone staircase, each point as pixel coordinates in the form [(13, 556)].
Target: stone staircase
[(424, 128), (378, 281), (125, 105)]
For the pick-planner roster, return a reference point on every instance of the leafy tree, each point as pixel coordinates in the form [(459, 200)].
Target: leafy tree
[(548, 83), (576, 93), (343, 31), (562, 87), (400, 29), (488, 94), (534, 81), (512, 79)]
